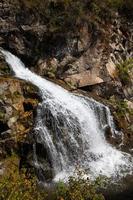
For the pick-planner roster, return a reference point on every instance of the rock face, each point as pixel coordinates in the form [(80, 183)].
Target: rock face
[(18, 101), (82, 56)]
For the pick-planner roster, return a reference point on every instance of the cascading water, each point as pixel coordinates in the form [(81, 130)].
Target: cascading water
[(72, 129)]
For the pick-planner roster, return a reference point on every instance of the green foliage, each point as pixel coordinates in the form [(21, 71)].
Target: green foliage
[(61, 189), (79, 188), (18, 186), (15, 185), (121, 106), (124, 71)]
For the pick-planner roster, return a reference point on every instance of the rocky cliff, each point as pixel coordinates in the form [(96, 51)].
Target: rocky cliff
[(84, 53), (18, 102), (84, 44)]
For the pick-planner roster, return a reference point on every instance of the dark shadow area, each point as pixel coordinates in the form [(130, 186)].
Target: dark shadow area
[(27, 106), (3, 127), (125, 195)]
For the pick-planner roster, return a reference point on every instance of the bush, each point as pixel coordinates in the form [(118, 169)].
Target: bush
[(125, 71), (121, 107), (18, 186), (79, 188)]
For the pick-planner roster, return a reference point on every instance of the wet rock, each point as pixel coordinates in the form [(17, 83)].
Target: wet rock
[(115, 139), (44, 171)]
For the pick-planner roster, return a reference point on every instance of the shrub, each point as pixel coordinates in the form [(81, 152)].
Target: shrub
[(121, 106), (18, 186), (79, 188), (124, 71)]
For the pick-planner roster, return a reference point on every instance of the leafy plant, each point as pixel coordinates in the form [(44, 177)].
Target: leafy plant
[(121, 106), (18, 186), (125, 70), (15, 185), (80, 188)]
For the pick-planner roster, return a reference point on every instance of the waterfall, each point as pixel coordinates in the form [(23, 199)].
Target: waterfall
[(72, 129)]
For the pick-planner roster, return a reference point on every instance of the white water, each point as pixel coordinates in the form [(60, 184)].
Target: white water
[(72, 129)]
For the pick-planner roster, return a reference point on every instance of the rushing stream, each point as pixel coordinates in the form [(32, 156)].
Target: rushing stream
[(72, 129)]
